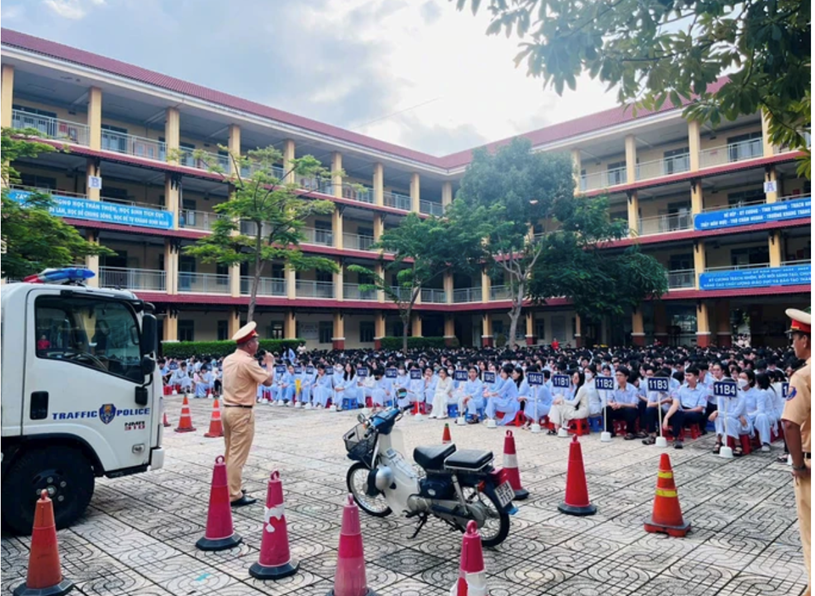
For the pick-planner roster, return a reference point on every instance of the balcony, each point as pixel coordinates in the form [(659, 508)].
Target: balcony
[(396, 200), (353, 192), (434, 296), (317, 236), (147, 280), (665, 224), (499, 293), (353, 292), (190, 219), (431, 208), (267, 286), (136, 146), (357, 241), (719, 156), (203, 283), (52, 128), (676, 164), (404, 294), (682, 279), (600, 180), (314, 289), (464, 295), (757, 275), (754, 212)]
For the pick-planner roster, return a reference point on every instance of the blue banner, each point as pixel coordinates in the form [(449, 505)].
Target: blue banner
[(754, 214), (763, 277), (126, 215)]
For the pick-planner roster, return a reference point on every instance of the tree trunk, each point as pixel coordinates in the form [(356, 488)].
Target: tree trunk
[(515, 314), (253, 293), (405, 325)]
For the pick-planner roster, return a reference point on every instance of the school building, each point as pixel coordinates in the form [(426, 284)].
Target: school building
[(722, 208)]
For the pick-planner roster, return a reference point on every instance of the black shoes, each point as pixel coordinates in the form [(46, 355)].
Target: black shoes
[(243, 501)]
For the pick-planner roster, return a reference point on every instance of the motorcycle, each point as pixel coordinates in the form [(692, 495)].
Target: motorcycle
[(458, 486)]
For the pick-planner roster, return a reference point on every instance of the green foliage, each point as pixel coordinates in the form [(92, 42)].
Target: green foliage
[(32, 238), (417, 343), (653, 51), (188, 349)]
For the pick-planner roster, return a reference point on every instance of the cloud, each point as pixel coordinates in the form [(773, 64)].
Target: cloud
[(71, 9)]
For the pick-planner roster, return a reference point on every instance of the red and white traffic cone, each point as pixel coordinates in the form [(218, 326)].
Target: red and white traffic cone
[(185, 422), (44, 576), (275, 560), (216, 427), (472, 577), (577, 492), (166, 422), (417, 411), (350, 578), (446, 439), (510, 471), (220, 533)]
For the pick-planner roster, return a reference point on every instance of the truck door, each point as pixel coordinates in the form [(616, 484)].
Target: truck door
[(82, 367)]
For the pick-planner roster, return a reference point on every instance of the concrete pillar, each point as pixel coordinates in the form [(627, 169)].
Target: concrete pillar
[(485, 286), (379, 184), (697, 198), (379, 226), (170, 267), (698, 261), (290, 325), (336, 173), (702, 325), (578, 331), (578, 165), (415, 324), (694, 144), (530, 328), (288, 158), (767, 146), (379, 330), (449, 329), (448, 287), (170, 331), (95, 118), (633, 214), (771, 175), (379, 269), (172, 188), (291, 283), (446, 194), (776, 244), (338, 339), (7, 92), (486, 330), (336, 226), (93, 168), (234, 145), (339, 280), (724, 336), (415, 193), (660, 322), (637, 328), (92, 261), (235, 280), (172, 134), (630, 159)]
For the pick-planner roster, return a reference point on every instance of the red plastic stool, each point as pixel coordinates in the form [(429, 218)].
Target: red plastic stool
[(520, 419), (619, 427), (694, 431), (744, 441), (579, 427)]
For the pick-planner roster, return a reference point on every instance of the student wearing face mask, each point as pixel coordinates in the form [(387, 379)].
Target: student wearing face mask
[(731, 420), (504, 398), (345, 386), (401, 386), (471, 396), (323, 387), (382, 391), (596, 403)]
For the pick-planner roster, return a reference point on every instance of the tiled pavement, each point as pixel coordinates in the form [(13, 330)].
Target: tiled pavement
[(138, 536)]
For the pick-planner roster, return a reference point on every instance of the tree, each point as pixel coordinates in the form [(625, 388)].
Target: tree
[(670, 50), (32, 238), (264, 218), (423, 250), (502, 196)]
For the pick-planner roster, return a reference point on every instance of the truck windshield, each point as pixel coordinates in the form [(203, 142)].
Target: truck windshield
[(102, 334)]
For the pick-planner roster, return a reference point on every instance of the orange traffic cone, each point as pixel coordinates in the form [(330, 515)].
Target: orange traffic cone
[(185, 422), (275, 560), (510, 471), (472, 578), (667, 515), (219, 534), (216, 427), (44, 573), (166, 422), (577, 493), (350, 578), (417, 410), (446, 439)]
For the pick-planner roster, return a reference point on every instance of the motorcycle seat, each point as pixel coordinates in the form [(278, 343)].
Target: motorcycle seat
[(432, 458), (468, 459)]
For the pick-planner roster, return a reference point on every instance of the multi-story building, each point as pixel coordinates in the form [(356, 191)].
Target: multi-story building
[(721, 208)]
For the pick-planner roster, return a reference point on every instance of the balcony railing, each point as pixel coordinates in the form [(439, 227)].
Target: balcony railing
[(134, 145), (462, 295), (403, 293), (357, 241), (499, 293), (731, 153), (676, 164), (148, 280), (314, 289), (321, 237), (54, 128), (267, 286), (664, 224), (396, 200), (681, 279), (737, 267), (431, 208), (794, 262), (434, 296), (203, 283), (197, 220), (353, 292), (606, 179)]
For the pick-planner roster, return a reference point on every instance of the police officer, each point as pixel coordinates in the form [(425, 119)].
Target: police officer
[(242, 374), (797, 419)]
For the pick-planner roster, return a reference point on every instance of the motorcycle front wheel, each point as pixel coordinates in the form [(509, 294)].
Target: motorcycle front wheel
[(357, 480), (496, 524)]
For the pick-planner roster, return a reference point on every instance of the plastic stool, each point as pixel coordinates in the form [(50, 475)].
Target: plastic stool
[(452, 410), (349, 403), (369, 402), (579, 427), (619, 427), (596, 424), (695, 433)]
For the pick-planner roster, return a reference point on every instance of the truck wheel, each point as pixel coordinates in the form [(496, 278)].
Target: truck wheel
[(64, 472)]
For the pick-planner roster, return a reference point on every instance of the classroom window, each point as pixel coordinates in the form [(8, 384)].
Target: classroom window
[(326, 332), (366, 332), (186, 330)]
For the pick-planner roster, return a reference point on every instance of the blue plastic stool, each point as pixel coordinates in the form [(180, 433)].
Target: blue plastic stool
[(596, 424), (349, 403), (710, 426), (452, 410)]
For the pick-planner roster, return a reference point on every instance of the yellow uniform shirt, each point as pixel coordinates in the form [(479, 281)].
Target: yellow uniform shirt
[(798, 408), (242, 375)]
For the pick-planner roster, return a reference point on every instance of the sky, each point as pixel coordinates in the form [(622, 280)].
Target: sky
[(416, 73)]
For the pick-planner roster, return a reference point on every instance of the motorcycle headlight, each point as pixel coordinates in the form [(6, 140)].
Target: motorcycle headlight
[(384, 478)]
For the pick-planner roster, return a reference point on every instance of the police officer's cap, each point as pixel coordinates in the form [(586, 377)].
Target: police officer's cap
[(245, 333), (801, 321)]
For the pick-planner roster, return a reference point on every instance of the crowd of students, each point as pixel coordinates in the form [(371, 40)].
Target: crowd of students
[(494, 385)]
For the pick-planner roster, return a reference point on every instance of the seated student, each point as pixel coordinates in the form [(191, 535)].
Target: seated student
[(716, 370), (181, 378), (757, 409), (322, 388), (401, 385), (564, 410), (656, 400), (429, 388), (537, 403), (203, 382), (688, 406), (442, 395), (471, 396), (306, 383), (731, 420), (504, 398), (767, 415), (382, 390), (415, 387), (285, 386), (345, 385), (622, 405), (596, 403)]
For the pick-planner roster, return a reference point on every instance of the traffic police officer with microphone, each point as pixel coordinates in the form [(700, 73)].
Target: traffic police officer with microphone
[(242, 375), (797, 418)]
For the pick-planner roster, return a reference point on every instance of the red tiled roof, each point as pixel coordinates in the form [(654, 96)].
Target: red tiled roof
[(548, 134)]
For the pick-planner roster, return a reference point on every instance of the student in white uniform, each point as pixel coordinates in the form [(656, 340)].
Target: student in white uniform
[(442, 395), (323, 387), (565, 410), (471, 396), (731, 416), (768, 409)]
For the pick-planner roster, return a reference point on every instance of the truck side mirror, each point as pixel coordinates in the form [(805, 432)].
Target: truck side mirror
[(149, 334), (148, 365)]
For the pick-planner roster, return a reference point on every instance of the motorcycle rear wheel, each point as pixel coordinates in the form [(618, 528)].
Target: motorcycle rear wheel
[(357, 481), (496, 529)]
